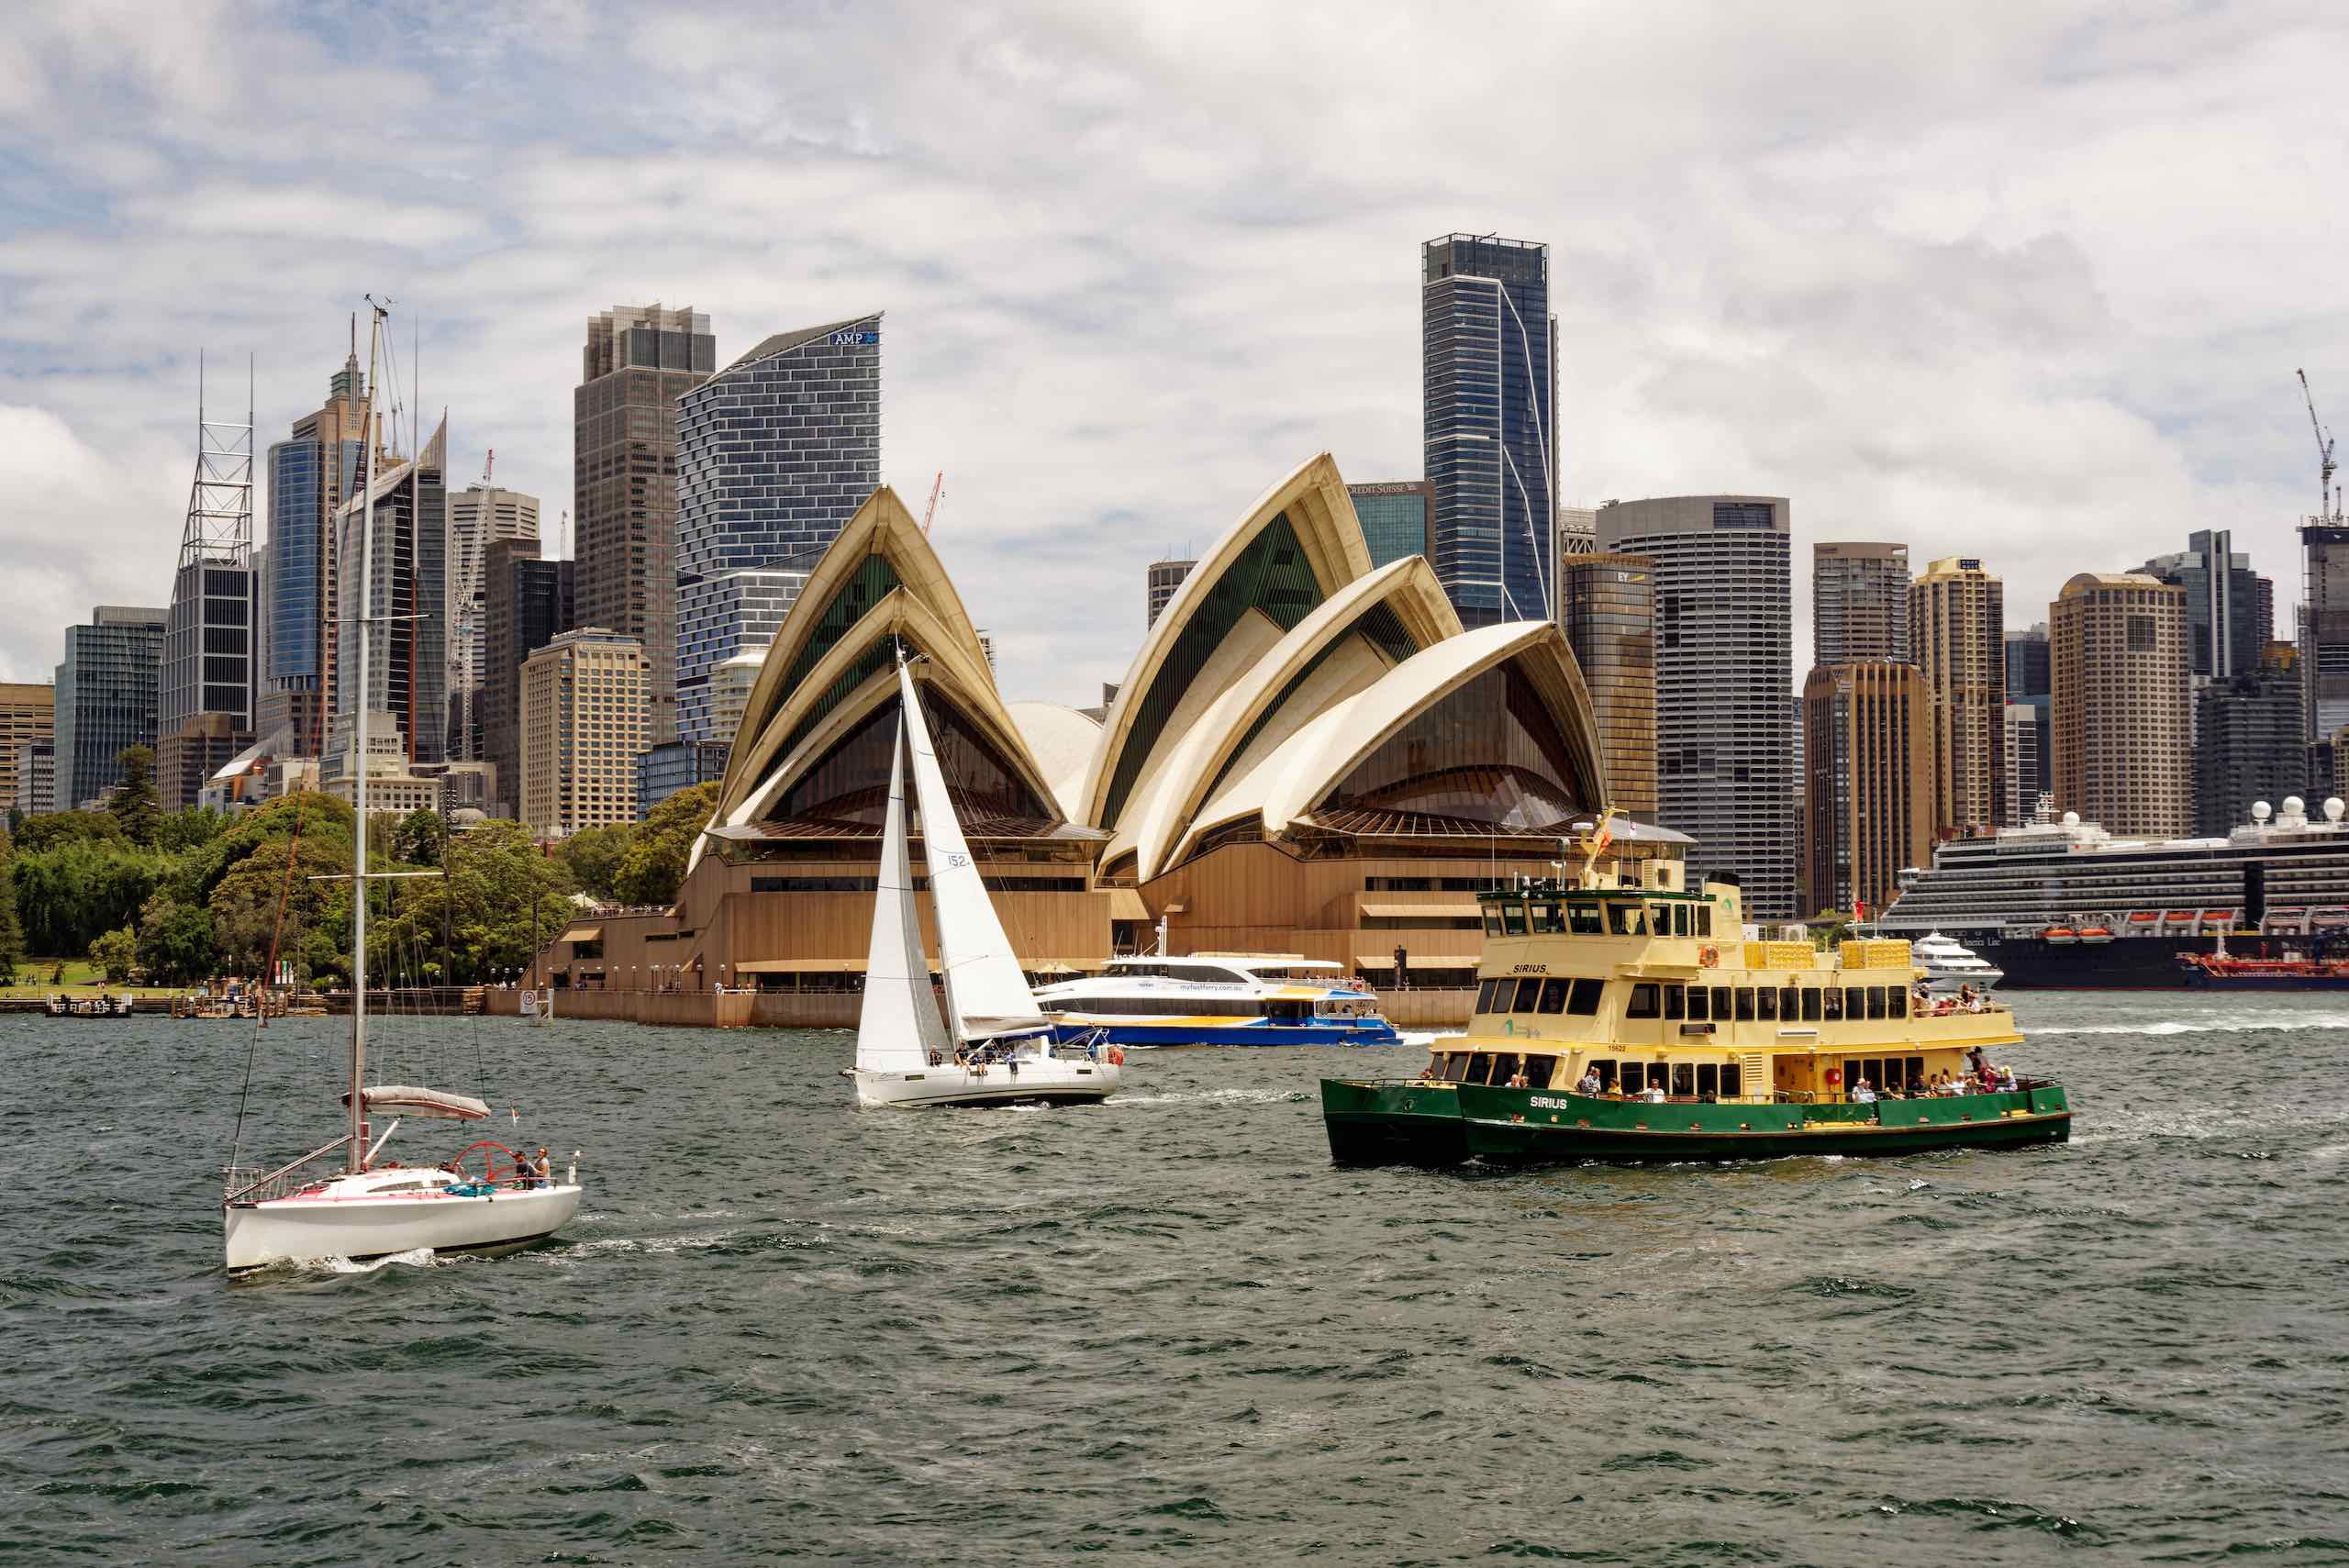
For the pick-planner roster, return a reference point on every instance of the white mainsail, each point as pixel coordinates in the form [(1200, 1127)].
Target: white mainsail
[(986, 991), (899, 1027)]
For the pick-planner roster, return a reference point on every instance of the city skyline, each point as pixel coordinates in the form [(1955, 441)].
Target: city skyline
[(1101, 348)]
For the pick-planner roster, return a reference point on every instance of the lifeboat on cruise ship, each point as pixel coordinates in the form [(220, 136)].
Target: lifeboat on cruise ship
[(2328, 918), (2096, 933), (2218, 919), (2142, 917), (2059, 935), (2180, 918)]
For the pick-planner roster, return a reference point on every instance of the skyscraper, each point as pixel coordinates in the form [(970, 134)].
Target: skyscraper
[(1165, 580), (205, 700), (2026, 760), (1489, 385), (1724, 653), (105, 698), (311, 474), (584, 715), (2250, 741), (1867, 786), (720, 619), (2324, 625), (1607, 608), (2030, 684), (28, 719), (639, 360), (36, 767), (2117, 644), (527, 603), (478, 517), (1398, 518), (1859, 603), (1957, 636), (407, 672), (774, 454), (2222, 603)]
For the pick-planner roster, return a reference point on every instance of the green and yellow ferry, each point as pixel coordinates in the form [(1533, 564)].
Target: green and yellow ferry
[(1620, 1017)]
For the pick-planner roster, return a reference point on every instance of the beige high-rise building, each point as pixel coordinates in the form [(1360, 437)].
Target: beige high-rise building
[(1957, 636), (1607, 608), (2119, 655), (1867, 781), (28, 715), (585, 715), (1859, 603)]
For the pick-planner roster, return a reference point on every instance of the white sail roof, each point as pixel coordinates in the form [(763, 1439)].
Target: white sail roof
[(899, 1027), (409, 1100)]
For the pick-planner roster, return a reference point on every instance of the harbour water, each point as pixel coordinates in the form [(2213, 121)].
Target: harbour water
[(1167, 1327)]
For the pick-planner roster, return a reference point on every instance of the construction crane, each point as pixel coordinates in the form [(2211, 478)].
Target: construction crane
[(939, 485), (2327, 504), (488, 467)]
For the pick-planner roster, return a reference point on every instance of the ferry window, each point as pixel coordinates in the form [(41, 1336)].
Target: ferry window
[(1478, 1065), (1644, 1000), (1720, 1003), (1538, 1070), (1584, 1001), (1855, 1003), (1916, 1073), (1546, 920), (1765, 1002), (1810, 1004), (1684, 1080), (1455, 1067), (1529, 992), (1582, 919), (1732, 1088), (1898, 1000), (1554, 996), (1676, 1004), (1634, 1077), (1745, 1004), (1790, 1003), (1832, 1004), (1605, 1071), (1875, 1001), (1708, 1081), (1697, 997), (1513, 920), (1623, 920), (1492, 922), (1680, 920), (1484, 995)]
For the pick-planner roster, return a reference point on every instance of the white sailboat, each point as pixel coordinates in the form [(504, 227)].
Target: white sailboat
[(993, 1045), (367, 1209)]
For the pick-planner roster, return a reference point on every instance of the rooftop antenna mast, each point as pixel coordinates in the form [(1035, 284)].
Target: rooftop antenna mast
[(2328, 499)]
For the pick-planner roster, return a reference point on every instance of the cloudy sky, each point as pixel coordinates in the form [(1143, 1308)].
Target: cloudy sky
[(2027, 281)]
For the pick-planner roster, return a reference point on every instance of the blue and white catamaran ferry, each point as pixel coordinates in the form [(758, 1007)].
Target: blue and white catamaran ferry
[(1220, 999)]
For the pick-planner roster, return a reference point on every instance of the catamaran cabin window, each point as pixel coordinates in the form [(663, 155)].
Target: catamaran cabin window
[(1708, 1081), (1583, 1002), (1546, 920), (1529, 992), (1810, 1004), (1720, 1003), (1789, 1003), (1875, 1001), (1684, 1079), (1680, 926), (1455, 1067), (1897, 1001), (1697, 996), (1582, 919), (1554, 996), (1644, 1000), (1605, 1071), (1635, 1078), (1855, 1003), (1484, 995), (1832, 1004), (1675, 1003), (1765, 1004), (1729, 1088), (1492, 921), (1513, 920), (1745, 1004), (1623, 920)]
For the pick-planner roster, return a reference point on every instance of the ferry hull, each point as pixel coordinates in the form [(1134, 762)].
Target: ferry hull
[(1392, 1124), (1523, 1126)]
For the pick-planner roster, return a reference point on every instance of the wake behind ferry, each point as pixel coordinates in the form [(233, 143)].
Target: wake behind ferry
[(1220, 999), (1621, 1017)]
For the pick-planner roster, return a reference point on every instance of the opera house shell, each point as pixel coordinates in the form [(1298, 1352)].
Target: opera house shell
[(1309, 755)]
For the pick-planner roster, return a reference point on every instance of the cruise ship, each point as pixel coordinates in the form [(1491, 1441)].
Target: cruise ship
[(1211, 998), (2065, 905)]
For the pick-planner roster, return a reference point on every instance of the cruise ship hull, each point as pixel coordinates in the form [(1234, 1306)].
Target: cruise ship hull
[(2124, 963)]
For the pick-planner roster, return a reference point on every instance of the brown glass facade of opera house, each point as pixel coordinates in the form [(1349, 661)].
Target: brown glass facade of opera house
[(1309, 755)]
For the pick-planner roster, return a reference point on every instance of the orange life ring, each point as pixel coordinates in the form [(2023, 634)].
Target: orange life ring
[(1708, 955)]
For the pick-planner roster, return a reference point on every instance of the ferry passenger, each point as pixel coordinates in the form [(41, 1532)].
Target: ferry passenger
[(1863, 1092), (1654, 1095), (2007, 1084), (1433, 1071), (1589, 1085)]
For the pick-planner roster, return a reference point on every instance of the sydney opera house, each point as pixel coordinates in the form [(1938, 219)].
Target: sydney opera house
[(1307, 755)]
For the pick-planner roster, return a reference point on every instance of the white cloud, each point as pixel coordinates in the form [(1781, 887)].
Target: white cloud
[(2025, 282)]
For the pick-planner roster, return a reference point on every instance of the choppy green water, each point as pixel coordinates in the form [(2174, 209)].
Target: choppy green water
[(1167, 1327)]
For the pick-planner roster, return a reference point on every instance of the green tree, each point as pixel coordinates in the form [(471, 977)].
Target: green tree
[(175, 940), (70, 896), (246, 902), (46, 832), (655, 863), (135, 804), (115, 953), (1830, 927), (481, 907), (419, 839), (12, 933), (595, 855), (189, 827)]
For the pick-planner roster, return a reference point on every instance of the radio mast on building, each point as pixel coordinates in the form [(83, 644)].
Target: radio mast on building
[(205, 704)]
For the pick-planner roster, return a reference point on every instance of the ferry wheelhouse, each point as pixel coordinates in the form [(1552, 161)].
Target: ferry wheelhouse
[(1622, 1016), (1214, 998)]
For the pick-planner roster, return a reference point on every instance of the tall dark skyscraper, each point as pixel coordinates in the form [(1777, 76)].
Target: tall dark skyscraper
[(310, 474), (2225, 632), (407, 672), (106, 697), (1398, 518), (2031, 683), (2250, 742), (1489, 386), (205, 698), (774, 454), (525, 604), (639, 360)]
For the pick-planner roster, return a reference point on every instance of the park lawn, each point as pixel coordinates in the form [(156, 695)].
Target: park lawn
[(81, 974)]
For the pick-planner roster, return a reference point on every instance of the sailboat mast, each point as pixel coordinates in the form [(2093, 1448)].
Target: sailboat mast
[(359, 786)]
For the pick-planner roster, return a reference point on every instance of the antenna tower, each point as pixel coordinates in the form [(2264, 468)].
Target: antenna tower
[(220, 503), (218, 533)]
